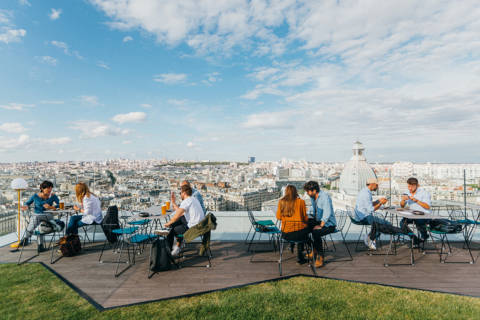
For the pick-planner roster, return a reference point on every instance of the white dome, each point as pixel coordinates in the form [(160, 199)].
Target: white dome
[(356, 172)]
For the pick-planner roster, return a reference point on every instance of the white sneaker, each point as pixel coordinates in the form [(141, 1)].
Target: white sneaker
[(369, 243), (175, 250)]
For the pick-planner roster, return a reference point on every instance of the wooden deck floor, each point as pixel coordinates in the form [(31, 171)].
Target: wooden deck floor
[(232, 267)]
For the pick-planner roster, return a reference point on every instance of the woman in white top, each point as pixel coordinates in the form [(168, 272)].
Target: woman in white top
[(90, 207)]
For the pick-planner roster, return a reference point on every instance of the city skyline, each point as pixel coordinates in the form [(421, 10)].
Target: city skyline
[(100, 79)]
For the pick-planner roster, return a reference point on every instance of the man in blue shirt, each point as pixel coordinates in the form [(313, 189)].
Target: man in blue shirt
[(321, 218), (364, 208), (417, 199)]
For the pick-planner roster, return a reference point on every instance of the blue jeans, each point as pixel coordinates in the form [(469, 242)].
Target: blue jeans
[(74, 223)]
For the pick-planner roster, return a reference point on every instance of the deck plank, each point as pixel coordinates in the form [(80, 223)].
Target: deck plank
[(232, 267)]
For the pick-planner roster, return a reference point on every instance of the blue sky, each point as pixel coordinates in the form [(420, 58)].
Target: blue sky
[(98, 79)]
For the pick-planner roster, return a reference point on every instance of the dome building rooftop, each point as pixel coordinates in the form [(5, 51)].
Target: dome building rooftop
[(356, 172)]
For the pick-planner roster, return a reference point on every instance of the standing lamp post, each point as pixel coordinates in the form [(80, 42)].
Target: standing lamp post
[(18, 184)]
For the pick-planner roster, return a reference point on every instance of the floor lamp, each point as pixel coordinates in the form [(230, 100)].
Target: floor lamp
[(18, 184)]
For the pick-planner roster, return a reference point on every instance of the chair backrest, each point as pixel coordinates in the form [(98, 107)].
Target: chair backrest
[(351, 214), (341, 217), (457, 214), (252, 218)]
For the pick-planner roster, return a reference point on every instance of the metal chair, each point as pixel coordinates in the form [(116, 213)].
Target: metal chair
[(341, 217), (38, 233), (265, 223), (363, 231), (456, 216), (271, 231)]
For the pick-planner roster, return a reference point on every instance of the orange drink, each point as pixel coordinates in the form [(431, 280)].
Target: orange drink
[(61, 205), (168, 205), (164, 210)]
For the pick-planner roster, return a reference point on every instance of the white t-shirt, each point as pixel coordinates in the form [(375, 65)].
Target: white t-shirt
[(193, 211), (92, 210)]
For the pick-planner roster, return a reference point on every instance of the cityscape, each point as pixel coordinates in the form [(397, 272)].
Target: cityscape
[(135, 185)]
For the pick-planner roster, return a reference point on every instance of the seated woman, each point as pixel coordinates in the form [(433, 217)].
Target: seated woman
[(293, 214), (90, 207), (44, 200)]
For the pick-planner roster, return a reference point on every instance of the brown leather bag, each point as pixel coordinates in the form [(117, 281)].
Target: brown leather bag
[(70, 245)]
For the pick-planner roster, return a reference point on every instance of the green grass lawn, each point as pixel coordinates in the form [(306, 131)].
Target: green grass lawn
[(31, 292)]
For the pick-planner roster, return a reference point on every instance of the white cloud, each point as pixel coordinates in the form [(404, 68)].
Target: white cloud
[(55, 14), (103, 65), (127, 39), (66, 49), (12, 127), (190, 144), (170, 78), (130, 117), (47, 60), (61, 45), (146, 105), (52, 102), (212, 78), (57, 141), (206, 26), (9, 35), (90, 100), (16, 106), (95, 129), (24, 3), (13, 143), (127, 141), (270, 120)]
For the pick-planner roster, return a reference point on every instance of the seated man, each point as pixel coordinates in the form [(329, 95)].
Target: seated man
[(188, 214), (416, 199), (196, 194), (364, 209), (321, 218)]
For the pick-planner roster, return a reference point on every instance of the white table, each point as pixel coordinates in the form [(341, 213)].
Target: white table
[(405, 213)]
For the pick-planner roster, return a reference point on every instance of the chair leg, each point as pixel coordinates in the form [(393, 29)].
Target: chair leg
[(251, 240), (346, 246), (248, 234), (280, 260)]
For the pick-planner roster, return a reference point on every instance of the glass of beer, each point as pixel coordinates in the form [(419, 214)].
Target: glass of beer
[(164, 210), (61, 205), (168, 205)]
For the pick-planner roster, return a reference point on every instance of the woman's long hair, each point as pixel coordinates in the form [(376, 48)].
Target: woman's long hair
[(287, 203), (81, 190)]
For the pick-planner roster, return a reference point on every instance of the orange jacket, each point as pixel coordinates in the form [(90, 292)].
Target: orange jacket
[(297, 221)]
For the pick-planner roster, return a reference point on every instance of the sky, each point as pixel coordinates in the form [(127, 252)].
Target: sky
[(224, 80)]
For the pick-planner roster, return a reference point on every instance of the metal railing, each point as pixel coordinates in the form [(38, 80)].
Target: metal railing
[(8, 222)]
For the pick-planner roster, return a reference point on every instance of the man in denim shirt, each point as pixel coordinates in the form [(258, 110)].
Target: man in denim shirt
[(321, 218), (364, 209)]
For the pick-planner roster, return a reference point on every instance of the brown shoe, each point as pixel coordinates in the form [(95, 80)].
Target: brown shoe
[(319, 262)]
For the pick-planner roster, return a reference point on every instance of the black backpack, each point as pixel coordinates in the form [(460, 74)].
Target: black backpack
[(160, 256), (110, 222), (445, 225)]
